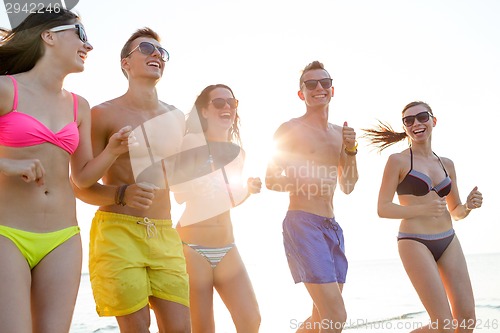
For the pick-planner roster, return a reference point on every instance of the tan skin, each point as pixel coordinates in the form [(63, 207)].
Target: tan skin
[(229, 277), (309, 162), (446, 281), (148, 194), (36, 194)]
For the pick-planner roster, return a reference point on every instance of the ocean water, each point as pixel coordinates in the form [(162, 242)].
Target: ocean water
[(378, 298)]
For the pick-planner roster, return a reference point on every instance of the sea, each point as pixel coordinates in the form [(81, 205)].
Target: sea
[(378, 297)]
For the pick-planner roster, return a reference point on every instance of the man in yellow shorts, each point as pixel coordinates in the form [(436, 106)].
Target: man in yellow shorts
[(136, 259)]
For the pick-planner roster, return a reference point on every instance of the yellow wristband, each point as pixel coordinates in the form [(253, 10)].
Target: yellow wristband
[(354, 149), (467, 207)]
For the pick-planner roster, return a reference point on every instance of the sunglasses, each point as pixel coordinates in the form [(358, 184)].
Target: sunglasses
[(422, 117), (220, 103), (79, 30), (147, 48), (312, 84)]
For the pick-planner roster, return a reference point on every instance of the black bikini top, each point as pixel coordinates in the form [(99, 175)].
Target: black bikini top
[(419, 184)]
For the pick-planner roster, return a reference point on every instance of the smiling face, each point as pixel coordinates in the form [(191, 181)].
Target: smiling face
[(219, 118), (318, 96), (421, 129), (69, 43), (139, 62)]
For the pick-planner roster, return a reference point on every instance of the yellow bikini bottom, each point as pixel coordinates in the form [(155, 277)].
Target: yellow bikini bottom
[(35, 246)]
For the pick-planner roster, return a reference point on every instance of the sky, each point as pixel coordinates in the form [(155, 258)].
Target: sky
[(381, 55)]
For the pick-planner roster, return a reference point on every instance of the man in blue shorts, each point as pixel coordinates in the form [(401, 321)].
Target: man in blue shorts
[(312, 155)]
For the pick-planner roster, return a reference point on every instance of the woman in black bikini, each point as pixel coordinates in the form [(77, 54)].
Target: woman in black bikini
[(428, 201)]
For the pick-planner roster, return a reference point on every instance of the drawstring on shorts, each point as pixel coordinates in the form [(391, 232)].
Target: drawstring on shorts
[(328, 224), (150, 227)]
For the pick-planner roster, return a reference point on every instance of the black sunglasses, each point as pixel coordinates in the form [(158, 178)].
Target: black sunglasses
[(422, 117), (312, 84), (220, 103), (148, 48), (80, 31)]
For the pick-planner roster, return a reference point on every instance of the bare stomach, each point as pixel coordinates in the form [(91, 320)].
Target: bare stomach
[(215, 232), (319, 205)]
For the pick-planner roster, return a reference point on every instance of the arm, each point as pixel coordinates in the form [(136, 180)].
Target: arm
[(458, 210), (347, 168), (276, 179), (138, 195), (97, 194), (85, 169)]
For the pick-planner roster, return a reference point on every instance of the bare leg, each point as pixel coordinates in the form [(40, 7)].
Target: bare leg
[(424, 275), (54, 287), (235, 289), (329, 305), (309, 326), (15, 286), (455, 276), (171, 317), (201, 292), (137, 322)]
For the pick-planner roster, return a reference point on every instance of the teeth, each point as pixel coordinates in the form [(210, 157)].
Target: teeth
[(153, 63), (82, 55)]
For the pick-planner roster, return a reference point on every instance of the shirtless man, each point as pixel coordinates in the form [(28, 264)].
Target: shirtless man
[(136, 257), (311, 156)]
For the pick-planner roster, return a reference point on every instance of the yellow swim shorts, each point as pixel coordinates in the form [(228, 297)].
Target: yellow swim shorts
[(132, 258)]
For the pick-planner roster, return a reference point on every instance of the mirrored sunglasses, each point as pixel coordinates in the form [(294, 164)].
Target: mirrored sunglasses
[(148, 48), (312, 84), (220, 103), (80, 31), (422, 117)]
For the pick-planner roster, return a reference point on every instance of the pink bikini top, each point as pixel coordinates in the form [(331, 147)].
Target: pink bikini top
[(19, 129)]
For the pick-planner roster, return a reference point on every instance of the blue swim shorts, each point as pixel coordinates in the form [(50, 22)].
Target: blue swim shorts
[(314, 247)]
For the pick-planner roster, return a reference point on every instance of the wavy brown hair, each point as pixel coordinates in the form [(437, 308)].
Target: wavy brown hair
[(195, 118)]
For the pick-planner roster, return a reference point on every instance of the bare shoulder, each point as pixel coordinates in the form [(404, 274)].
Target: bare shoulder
[(6, 94), (193, 140), (287, 127), (448, 163), (106, 107), (175, 112), (336, 129), (401, 159), (83, 104)]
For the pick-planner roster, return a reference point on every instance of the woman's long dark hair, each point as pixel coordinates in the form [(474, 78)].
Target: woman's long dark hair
[(195, 118), (22, 47), (383, 135)]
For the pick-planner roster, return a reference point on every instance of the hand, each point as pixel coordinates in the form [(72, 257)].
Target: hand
[(348, 137), (29, 170), (140, 195), (474, 199), (436, 208), (254, 185), (121, 141)]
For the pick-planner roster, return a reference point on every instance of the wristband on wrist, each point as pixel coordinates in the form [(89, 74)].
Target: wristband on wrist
[(352, 151), (120, 195), (117, 195), (467, 207)]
